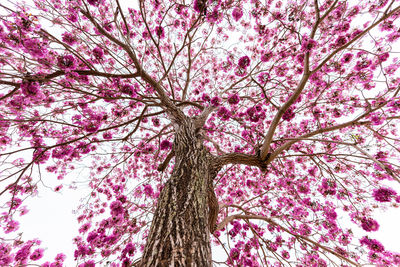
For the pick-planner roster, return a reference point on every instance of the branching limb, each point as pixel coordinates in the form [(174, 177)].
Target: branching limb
[(165, 163), (304, 238), (241, 158), (307, 73), (201, 120), (380, 164)]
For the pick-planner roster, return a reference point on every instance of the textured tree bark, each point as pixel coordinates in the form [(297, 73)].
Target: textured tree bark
[(180, 230)]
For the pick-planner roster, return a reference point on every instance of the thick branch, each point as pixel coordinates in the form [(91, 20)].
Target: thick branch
[(319, 131), (165, 163), (201, 120), (240, 158), (268, 138)]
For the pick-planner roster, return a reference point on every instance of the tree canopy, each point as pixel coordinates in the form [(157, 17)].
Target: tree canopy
[(297, 101)]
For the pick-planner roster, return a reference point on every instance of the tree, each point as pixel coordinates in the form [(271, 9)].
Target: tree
[(265, 128)]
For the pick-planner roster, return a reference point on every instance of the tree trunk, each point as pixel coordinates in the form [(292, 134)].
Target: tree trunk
[(180, 230)]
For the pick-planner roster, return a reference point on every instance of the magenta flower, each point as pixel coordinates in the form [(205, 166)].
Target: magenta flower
[(384, 194), (66, 62), (239, 193), (308, 44), (37, 254), (98, 53), (244, 62), (234, 254), (285, 254), (5, 257), (214, 16), (199, 5), (383, 57), (40, 156), (362, 64), (93, 2), (116, 208), (376, 119), (215, 101), (30, 88), (12, 226), (23, 254), (107, 135), (266, 56), (369, 225), (372, 244), (90, 263), (91, 236), (205, 97), (328, 187), (92, 126), (289, 114), (148, 190), (69, 38), (128, 89), (263, 77), (341, 40), (160, 32), (224, 113), (165, 144), (237, 13), (34, 47), (304, 229), (84, 228), (233, 99), (129, 249)]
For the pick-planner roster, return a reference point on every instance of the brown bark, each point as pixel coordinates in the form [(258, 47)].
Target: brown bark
[(180, 230)]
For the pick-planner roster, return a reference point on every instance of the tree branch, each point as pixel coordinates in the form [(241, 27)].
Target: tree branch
[(258, 217)]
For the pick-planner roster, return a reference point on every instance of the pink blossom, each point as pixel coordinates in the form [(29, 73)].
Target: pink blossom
[(224, 113), (244, 62), (234, 254), (215, 101), (384, 194), (34, 47), (98, 52), (90, 263), (165, 144), (369, 224), (11, 226), (383, 57), (92, 126), (93, 2), (362, 64), (372, 244), (346, 58), (233, 99), (66, 62), (22, 255), (37, 254), (69, 38), (159, 32), (30, 88), (116, 208), (200, 5), (148, 190), (237, 13), (308, 44)]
